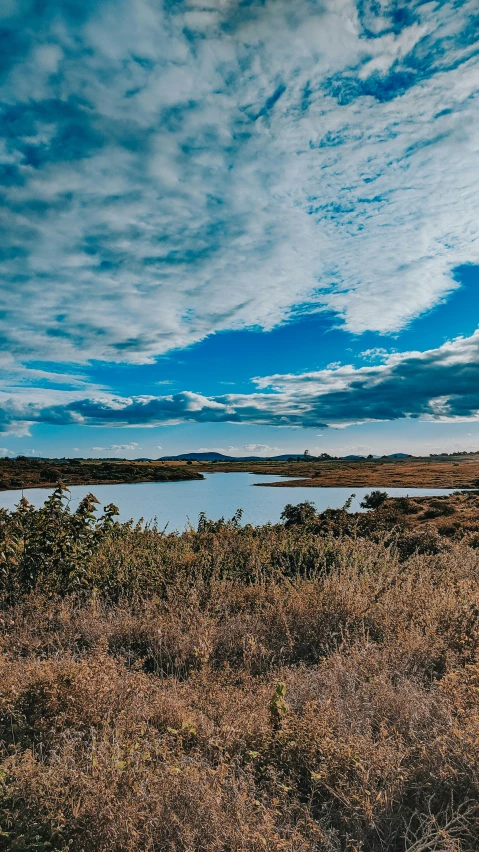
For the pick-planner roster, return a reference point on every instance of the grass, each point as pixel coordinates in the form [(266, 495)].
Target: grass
[(303, 686)]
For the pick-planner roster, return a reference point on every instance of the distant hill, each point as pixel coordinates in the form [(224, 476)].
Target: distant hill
[(392, 456), (400, 456), (197, 457), (212, 456), (221, 457)]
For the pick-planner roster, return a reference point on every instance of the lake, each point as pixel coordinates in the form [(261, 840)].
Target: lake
[(218, 495)]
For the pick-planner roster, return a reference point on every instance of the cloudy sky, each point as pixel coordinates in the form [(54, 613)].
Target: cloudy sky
[(249, 225)]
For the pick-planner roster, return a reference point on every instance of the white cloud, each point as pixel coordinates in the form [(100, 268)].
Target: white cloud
[(116, 448), (193, 201), (247, 449), (261, 449), (376, 354)]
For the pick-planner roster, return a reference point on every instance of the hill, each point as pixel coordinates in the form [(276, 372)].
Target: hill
[(213, 456)]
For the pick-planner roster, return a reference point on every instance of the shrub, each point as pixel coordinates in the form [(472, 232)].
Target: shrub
[(374, 500), (300, 515)]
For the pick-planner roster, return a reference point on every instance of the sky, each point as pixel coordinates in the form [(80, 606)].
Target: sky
[(242, 225)]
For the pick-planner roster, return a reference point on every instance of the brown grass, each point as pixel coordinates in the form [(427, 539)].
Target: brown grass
[(246, 690), (402, 473)]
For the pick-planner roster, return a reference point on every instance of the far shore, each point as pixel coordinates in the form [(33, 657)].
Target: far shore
[(452, 472)]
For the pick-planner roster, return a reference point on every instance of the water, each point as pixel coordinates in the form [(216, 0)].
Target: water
[(218, 495)]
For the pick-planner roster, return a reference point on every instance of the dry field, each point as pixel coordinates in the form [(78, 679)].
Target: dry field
[(298, 687), (379, 473)]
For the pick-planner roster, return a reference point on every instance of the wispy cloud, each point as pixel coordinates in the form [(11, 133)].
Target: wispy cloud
[(116, 448), (250, 449), (262, 449), (173, 169)]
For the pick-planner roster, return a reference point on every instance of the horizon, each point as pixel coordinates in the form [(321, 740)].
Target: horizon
[(239, 226), (305, 455)]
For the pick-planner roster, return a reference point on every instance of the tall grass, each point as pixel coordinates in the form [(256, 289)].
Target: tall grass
[(233, 688)]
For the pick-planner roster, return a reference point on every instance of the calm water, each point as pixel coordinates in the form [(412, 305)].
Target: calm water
[(219, 495)]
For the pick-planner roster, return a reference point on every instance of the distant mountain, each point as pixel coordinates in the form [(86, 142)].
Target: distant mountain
[(197, 457), (212, 456), (220, 457), (400, 456), (287, 456), (392, 456)]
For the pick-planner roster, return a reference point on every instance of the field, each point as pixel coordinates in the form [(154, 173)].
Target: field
[(312, 685), (434, 472)]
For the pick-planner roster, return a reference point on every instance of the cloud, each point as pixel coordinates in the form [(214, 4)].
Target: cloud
[(261, 449), (256, 449), (376, 354), (438, 385), (117, 447), (174, 169)]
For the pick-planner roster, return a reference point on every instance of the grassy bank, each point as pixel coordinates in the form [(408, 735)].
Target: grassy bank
[(312, 685), (24, 472)]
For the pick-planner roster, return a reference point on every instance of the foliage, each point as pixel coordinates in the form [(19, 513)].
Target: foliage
[(374, 500), (51, 543), (301, 514)]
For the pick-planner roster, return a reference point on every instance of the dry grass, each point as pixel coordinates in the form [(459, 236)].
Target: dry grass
[(246, 690), (452, 472)]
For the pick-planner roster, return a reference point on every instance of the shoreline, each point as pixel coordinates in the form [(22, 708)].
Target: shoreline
[(451, 472)]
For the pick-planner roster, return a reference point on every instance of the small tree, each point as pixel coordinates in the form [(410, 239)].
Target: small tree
[(374, 500), (300, 515)]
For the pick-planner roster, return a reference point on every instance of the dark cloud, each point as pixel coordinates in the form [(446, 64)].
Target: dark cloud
[(439, 384)]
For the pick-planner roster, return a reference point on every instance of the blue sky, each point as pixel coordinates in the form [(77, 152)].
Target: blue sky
[(249, 225)]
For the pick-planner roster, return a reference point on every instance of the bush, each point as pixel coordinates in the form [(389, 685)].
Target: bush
[(374, 500), (302, 514)]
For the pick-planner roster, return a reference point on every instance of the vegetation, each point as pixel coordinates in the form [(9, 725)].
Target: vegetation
[(25, 472), (374, 500), (310, 685), (434, 472)]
